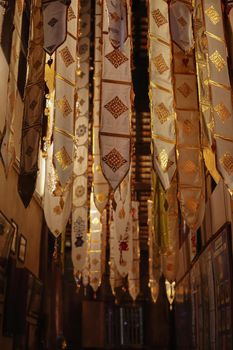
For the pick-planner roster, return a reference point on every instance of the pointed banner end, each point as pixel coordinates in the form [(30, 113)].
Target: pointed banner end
[(26, 187)]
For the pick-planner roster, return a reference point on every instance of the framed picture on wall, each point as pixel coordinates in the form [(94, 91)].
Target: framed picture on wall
[(22, 248), (6, 235), (14, 238)]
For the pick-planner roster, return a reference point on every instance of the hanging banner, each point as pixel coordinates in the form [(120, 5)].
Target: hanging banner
[(220, 89), (100, 184), (33, 107), (80, 167), (117, 19), (134, 271), (153, 248), (116, 97), (191, 180), (55, 23), (65, 92), (204, 95), (7, 150), (161, 92)]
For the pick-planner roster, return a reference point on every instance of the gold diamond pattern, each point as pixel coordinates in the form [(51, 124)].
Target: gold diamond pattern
[(160, 64), (164, 161), (63, 158), (222, 112), (185, 90), (116, 57), (182, 21), (159, 18), (66, 56), (227, 162), (187, 126), (114, 160), (70, 14), (218, 61), (213, 15), (116, 107), (162, 112), (189, 167), (64, 106)]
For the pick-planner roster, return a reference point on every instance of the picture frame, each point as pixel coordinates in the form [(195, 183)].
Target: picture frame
[(6, 235), (14, 242), (22, 248)]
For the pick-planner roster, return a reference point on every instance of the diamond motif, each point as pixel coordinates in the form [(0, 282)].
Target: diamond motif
[(218, 61), (187, 126), (222, 111), (162, 112), (70, 14), (159, 18), (33, 105), (64, 106), (66, 56), (213, 15), (227, 162), (52, 22), (29, 151), (114, 160), (63, 158), (185, 90), (116, 57), (160, 64), (182, 21), (116, 107), (164, 161), (189, 167)]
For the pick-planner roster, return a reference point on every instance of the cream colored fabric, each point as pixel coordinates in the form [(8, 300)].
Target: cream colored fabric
[(7, 145), (134, 271), (220, 89), (116, 89), (80, 166), (161, 92), (100, 184)]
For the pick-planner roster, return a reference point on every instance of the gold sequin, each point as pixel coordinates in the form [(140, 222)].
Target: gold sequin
[(160, 64), (213, 15), (222, 111), (217, 60), (63, 158), (227, 162)]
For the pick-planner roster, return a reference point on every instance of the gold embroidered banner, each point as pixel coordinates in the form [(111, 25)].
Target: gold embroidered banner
[(204, 95), (122, 224), (161, 92), (33, 107), (134, 271), (154, 256), (116, 97), (117, 19), (80, 167), (7, 140), (191, 180), (100, 184), (55, 20), (65, 80), (220, 89)]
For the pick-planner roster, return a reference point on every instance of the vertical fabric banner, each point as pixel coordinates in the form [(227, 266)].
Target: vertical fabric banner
[(134, 271), (161, 92), (220, 89), (7, 143), (204, 94), (100, 184), (33, 107), (154, 257), (116, 93), (80, 166), (191, 180)]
